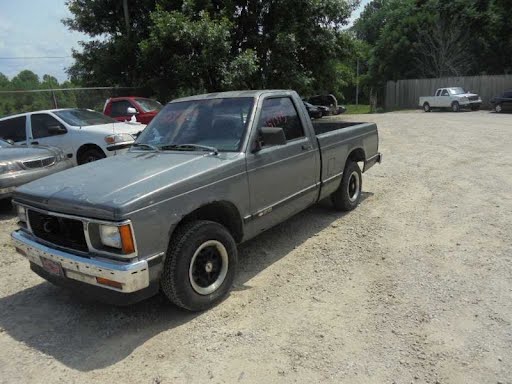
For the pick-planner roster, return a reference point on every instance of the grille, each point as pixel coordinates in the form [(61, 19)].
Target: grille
[(39, 163), (57, 230), (473, 98)]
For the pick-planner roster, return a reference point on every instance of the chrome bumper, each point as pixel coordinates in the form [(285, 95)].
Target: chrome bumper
[(133, 276)]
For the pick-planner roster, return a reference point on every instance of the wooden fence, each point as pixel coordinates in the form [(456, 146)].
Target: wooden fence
[(404, 94)]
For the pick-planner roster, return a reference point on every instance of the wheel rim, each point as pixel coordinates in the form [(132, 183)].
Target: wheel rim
[(353, 188), (208, 267), (498, 108), (455, 107), (91, 158), (426, 107)]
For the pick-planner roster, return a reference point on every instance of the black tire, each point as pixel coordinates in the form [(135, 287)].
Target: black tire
[(348, 194), (455, 106), (90, 155), (426, 107), (498, 108), (180, 280)]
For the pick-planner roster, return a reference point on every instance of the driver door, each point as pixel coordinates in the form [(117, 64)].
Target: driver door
[(47, 130)]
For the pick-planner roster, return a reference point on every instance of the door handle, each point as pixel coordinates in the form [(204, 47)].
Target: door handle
[(35, 142), (306, 147)]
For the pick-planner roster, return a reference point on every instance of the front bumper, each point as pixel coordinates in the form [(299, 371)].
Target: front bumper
[(133, 276)]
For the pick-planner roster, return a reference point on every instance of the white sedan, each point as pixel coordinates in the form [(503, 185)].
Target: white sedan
[(84, 135)]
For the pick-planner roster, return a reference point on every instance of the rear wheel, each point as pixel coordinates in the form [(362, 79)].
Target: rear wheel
[(498, 108), (348, 194), (455, 106), (200, 265), (426, 107)]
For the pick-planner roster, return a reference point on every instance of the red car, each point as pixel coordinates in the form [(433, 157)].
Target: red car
[(123, 108)]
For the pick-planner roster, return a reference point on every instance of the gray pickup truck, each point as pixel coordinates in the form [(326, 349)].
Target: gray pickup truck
[(208, 172)]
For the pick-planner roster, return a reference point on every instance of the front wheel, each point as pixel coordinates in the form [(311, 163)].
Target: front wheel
[(90, 155), (348, 194), (455, 106), (498, 108), (200, 265), (426, 107)]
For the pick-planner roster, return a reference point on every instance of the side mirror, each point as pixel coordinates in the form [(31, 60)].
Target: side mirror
[(131, 111), (56, 130), (270, 136)]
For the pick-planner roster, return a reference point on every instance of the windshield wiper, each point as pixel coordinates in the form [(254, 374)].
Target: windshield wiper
[(189, 147), (147, 146)]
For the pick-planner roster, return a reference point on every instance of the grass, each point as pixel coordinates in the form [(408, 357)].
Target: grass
[(353, 109)]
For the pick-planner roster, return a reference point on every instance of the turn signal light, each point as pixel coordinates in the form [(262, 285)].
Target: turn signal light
[(110, 283), (127, 239)]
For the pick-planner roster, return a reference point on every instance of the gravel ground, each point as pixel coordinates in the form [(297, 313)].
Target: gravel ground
[(414, 286)]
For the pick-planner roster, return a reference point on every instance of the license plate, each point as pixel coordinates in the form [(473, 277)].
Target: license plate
[(52, 267)]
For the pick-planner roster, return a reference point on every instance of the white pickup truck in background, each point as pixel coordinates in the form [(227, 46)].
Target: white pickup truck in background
[(455, 98)]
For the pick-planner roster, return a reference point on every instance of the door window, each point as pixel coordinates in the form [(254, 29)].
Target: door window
[(42, 125), (280, 112), (120, 108), (445, 93), (13, 129), (438, 93)]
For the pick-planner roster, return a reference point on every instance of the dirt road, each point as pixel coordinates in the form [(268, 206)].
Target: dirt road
[(413, 286)]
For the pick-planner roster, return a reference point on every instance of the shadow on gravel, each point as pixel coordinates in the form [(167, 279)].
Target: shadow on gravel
[(88, 335), (6, 210)]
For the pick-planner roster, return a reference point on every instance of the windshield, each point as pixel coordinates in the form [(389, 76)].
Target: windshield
[(217, 123), (4, 144), (149, 105), (84, 117), (457, 91)]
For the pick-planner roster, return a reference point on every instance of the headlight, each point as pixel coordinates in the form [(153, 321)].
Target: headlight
[(22, 213), (9, 166), (110, 236), (117, 237), (118, 138)]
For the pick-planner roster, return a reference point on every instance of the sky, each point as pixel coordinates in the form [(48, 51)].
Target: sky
[(32, 28)]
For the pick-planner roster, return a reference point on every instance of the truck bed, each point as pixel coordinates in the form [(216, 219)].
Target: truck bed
[(321, 127), (337, 139)]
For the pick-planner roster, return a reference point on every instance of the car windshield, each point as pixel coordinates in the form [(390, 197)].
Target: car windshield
[(218, 124), (149, 105), (83, 117), (4, 144), (457, 91)]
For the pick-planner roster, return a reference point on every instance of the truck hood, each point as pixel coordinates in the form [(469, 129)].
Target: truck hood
[(113, 187), (120, 127)]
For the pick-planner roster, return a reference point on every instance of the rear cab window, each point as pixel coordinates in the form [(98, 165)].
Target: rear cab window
[(280, 112), (14, 129)]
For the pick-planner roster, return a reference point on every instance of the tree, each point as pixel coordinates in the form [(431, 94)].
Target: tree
[(189, 46)]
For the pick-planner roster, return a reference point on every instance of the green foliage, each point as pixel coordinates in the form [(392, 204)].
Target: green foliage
[(11, 103), (431, 38), (189, 46)]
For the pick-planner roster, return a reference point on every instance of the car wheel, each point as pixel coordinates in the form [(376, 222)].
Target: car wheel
[(498, 108), (348, 194), (200, 265), (90, 155), (455, 106), (426, 107)]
